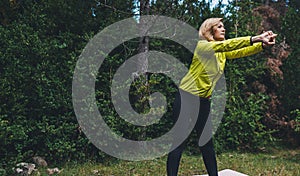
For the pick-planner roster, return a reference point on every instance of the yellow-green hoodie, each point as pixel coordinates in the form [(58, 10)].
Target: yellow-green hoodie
[(209, 61)]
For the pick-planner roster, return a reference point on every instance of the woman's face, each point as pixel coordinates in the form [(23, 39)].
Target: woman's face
[(219, 32)]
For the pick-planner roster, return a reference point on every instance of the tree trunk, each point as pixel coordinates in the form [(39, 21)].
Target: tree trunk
[(140, 87), (144, 41)]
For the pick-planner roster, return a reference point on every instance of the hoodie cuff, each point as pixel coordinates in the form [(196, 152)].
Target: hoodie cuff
[(251, 42)]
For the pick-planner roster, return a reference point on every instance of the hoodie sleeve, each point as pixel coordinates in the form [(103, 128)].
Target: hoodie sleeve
[(243, 52), (224, 46)]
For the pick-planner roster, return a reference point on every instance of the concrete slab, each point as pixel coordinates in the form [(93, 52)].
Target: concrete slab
[(227, 172)]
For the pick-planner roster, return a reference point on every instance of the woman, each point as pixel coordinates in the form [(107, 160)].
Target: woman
[(206, 68)]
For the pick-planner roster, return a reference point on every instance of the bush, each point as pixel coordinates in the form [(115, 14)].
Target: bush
[(242, 126)]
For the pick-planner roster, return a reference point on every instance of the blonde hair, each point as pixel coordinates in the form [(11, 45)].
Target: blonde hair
[(206, 28)]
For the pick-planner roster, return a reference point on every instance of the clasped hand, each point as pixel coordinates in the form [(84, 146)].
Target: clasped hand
[(268, 38)]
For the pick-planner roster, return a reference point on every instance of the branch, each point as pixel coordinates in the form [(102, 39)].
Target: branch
[(113, 8), (281, 123)]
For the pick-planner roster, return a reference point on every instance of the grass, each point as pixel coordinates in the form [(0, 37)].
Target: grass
[(276, 162)]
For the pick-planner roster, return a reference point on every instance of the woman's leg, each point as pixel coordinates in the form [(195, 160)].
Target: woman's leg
[(175, 155), (207, 150), (174, 160), (186, 107), (209, 158)]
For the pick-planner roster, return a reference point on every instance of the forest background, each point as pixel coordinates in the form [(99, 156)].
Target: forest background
[(41, 42)]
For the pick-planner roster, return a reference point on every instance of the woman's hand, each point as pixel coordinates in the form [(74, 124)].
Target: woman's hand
[(267, 38)]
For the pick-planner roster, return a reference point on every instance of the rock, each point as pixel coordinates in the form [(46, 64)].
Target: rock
[(40, 161), (18, 170), (25, 168), (53, 171)]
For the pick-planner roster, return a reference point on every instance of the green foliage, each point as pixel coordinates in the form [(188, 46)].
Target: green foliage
[(295, 114), (42, 43), (140, 90), (242, 126), (290, 86)]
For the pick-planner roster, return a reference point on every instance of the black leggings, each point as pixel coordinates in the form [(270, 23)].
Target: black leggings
[(207, 150)]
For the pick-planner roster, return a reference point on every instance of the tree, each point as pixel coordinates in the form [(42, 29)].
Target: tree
[(43, 40)]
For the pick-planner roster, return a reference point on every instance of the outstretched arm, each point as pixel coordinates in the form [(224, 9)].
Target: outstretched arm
[(224, 46), (244, 52), (267, 38)]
